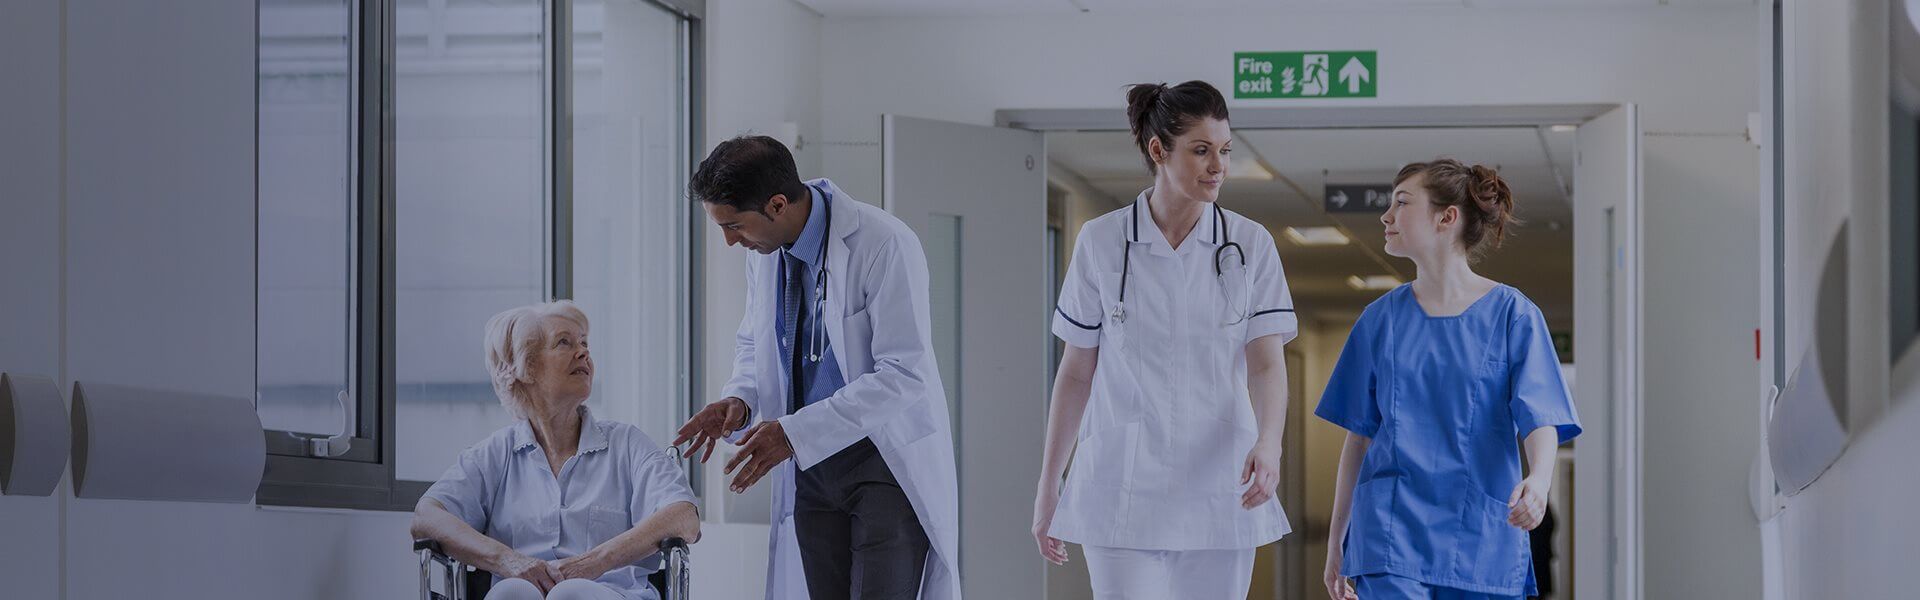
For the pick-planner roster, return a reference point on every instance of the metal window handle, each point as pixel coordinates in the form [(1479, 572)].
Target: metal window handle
[(335, 445)]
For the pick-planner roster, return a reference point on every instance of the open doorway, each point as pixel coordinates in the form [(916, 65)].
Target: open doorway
[(1578, 258)]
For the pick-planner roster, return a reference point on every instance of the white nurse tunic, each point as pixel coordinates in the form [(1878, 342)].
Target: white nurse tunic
[(1169, 421)]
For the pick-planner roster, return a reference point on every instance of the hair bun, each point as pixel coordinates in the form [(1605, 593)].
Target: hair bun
[(1142, 99), (1490, 192), (1483, 198)]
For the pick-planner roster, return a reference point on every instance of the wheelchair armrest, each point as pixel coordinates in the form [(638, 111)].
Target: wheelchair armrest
[(428, 545), (667, 546)]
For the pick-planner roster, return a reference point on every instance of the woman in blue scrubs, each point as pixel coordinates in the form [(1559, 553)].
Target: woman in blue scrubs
[(1443, 383)]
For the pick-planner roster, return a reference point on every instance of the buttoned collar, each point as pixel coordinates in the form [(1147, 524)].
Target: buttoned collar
[(814, 234)]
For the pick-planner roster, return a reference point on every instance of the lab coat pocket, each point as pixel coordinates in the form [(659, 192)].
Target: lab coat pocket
[(855, 352), (1503, 557)]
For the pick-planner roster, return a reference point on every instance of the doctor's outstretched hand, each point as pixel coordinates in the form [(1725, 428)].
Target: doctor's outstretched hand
[(765, 447), (712, 424), (1262, 469)]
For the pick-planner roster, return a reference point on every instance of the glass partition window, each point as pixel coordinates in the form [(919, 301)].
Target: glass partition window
[(470, 211), (630, 211), (942, 243), (307, 211), (426, 164)]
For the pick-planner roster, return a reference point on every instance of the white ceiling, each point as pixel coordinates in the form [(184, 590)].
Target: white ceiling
[(1537, 258), (1000, 8)]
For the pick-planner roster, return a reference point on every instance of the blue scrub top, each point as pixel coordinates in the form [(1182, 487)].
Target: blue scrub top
[(1445, 401)]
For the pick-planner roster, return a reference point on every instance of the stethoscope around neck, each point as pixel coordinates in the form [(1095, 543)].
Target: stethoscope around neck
[(817, 338), (1226, 243)]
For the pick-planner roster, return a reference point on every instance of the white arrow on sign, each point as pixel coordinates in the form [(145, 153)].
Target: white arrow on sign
[(1353, 74), (1339, 199)]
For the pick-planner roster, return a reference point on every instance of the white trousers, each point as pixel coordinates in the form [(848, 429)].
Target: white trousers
[(571, 589), (1126, 574)]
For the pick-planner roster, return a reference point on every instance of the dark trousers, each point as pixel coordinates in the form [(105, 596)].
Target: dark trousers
[(859, 538)]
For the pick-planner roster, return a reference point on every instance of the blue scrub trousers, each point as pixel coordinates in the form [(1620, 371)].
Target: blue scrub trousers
[(1383, 586)]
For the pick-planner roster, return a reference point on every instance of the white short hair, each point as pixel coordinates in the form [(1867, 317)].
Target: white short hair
[(514, 336)]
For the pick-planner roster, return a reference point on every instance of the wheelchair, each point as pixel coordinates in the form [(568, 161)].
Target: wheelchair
[(444, 577)]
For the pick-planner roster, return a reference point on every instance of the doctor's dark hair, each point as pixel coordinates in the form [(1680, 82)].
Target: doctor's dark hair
[(1155, 110), (745, 172), (1486, 204)]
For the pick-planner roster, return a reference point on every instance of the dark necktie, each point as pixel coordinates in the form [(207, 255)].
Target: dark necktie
[(790, 320)]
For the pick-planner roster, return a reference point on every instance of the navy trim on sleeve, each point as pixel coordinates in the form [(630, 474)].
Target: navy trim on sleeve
[(1063, 315), (1271, 311)]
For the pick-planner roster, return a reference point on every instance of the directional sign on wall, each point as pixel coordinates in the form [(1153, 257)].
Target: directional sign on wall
[(1346, 74), (1363, 198)]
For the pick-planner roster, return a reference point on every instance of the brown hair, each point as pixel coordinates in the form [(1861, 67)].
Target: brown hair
[(1486, 205), (1155, 110)]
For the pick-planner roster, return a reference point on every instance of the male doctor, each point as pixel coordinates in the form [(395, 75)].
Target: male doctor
[(834, 369)]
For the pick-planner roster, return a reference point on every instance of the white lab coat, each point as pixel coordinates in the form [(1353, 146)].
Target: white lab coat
[(879, 324)]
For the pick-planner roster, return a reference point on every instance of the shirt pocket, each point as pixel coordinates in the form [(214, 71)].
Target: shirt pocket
[(1369, 536), (604, 522), (1490, 391), (1500, 552)]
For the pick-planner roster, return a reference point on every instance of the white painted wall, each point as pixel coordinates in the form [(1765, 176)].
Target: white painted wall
[(30, 267), (1688, 68), (1701, 206), (160, 288), (1691, 71), (1850, 534)]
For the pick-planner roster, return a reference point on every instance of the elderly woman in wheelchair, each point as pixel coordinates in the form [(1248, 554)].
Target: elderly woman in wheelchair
[(557, 505)]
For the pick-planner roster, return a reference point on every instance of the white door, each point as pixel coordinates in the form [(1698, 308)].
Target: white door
[(977, 197), (1606, 283)]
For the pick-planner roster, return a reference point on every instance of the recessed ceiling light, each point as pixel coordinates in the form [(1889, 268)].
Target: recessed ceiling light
[(1373, 282), (1563, 128), (1317, 236)]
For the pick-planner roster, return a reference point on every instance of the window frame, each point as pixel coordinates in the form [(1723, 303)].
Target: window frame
[(1903, 185), (365, 477)]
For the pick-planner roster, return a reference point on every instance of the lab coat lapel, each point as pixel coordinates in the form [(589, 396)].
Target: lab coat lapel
[(845, 219), (770, 323)]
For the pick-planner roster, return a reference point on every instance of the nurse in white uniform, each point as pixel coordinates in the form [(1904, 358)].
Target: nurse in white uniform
[(1171, 397)]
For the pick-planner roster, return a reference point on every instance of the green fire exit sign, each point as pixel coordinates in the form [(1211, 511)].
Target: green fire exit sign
[(1349, 74)]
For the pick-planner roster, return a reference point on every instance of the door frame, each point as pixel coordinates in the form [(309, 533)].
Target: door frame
[(1627, 556)]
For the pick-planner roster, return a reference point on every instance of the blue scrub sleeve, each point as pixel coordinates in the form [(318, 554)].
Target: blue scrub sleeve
[(1350, 400), (462, 489), (1077, 317), (1540, 397), (1271, 308)]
